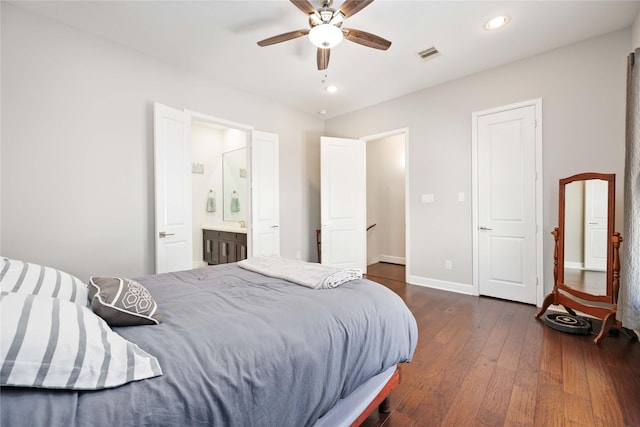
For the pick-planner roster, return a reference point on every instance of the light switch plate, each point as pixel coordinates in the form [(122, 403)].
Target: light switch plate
[(427, 198), (461, 196)]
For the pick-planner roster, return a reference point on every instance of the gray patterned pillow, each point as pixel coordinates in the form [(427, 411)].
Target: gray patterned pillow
[(123, 302)]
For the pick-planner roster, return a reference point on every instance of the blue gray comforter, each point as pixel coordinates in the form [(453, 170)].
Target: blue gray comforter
[(238, 349)]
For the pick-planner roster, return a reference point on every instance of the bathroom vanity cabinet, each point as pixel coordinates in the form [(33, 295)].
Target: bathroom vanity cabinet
[(221, 247)]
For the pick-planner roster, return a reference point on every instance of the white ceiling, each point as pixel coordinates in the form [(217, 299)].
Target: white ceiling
[(218, 39)]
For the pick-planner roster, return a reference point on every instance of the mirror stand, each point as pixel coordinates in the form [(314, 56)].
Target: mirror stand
[(586, 269), (607, 315)]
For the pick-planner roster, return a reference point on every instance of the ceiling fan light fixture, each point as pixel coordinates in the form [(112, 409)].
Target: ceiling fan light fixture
[(338, 18), (325, 36), (314, 19), (496, 22)]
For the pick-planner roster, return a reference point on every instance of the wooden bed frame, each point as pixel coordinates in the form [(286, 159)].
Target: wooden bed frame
[(382, 400)]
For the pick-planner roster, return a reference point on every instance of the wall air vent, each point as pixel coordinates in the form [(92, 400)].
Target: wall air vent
[(428, 53)]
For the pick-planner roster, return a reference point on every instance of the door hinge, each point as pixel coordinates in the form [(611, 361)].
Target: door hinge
[(535, 123)]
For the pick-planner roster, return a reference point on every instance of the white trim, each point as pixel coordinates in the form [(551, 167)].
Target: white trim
[(385, 134), (460, 288), (407, 211), (537, 104), (204, 117)]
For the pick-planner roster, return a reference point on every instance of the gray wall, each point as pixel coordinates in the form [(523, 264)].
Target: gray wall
[(77, 144), (583, 92)]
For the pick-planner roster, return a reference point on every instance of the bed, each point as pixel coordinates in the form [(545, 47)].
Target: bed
[(234, 348)]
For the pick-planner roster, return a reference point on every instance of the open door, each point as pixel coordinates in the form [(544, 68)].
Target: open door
[(265, 194), (343, 202), (172, 161)]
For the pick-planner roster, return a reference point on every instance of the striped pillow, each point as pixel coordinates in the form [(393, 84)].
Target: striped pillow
[(29, 278), (52, 343)]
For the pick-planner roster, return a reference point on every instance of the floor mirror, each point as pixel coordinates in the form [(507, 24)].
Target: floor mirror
[(586, 268)]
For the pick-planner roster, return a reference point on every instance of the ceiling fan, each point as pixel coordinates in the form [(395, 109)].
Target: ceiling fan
[(326, 31)]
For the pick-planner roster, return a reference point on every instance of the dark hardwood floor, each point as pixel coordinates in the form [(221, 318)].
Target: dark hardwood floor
[(488, 362)]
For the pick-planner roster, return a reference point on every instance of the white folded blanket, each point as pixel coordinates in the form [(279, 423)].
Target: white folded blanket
[(311, 275)]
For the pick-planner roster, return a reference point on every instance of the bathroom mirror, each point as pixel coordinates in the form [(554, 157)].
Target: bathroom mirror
[(235, 188), (586, 262)]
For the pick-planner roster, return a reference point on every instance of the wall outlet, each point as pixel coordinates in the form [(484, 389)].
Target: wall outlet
[(298, 255), (448, 264)]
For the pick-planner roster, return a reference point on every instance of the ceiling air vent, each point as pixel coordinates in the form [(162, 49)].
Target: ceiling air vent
[(428, 53)]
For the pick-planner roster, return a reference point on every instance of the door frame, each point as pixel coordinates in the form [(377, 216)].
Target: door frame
[(537, 104), (407, 211)]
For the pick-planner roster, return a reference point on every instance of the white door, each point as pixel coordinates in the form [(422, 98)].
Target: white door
[(343, 202), (265, 194), (172, 161), (506, 204), (596, 198)]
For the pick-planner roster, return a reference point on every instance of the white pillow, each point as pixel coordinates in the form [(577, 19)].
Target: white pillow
[(29, 278), (51, 343)]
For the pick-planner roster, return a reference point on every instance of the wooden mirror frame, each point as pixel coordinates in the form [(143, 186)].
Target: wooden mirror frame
[(607, 314)]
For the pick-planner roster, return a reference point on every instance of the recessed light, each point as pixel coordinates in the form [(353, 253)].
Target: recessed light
[(497, 22), (322, 112)]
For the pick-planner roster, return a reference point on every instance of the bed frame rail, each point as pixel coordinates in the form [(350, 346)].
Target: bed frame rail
[(382, 400)]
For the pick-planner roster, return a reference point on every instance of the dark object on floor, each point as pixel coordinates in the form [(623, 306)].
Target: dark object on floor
[(568, 323)]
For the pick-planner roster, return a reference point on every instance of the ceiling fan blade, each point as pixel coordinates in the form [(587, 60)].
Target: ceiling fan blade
[(351, 7), (323, 58), (283, 37), (366, 39), (304, 5)]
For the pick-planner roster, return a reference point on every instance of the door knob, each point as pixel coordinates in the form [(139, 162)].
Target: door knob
[(165, 234), (485, 229), (275, 226)]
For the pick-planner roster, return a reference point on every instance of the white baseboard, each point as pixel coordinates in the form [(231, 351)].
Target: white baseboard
[(460, 288)]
